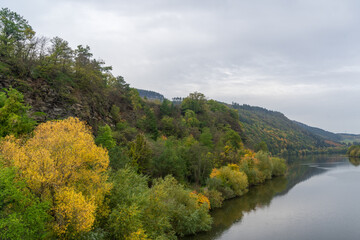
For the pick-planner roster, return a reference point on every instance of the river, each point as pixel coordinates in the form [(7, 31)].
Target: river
[(318, 199)]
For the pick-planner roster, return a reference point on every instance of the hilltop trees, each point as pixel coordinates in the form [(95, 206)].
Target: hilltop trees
[(14, 33)]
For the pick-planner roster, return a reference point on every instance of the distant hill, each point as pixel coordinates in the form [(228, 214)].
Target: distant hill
[(150, 95), (282, 135), (336, 137), (320, 132), (349, 138)]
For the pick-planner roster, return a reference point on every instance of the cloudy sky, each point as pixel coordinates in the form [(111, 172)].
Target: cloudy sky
[(299, 57)]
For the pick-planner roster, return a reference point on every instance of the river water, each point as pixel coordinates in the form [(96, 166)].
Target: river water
[(318, 199)]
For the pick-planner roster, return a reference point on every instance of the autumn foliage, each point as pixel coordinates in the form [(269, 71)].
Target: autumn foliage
[(61, 164)]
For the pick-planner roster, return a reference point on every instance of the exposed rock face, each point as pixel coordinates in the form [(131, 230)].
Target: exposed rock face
[(46, 99), (41, 97)]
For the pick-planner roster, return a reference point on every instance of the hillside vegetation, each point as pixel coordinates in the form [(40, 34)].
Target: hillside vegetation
[(281, 135), (83, 156)]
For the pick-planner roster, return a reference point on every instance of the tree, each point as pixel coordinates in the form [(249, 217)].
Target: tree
[(166, 108), (132, 211), (167, 160), (13, 29), (14, 117), (62, 165), (261, 146), (233, 139), (22, 215), (140, 153), (60, 59), (195, 101), (105, 138), (151, 123), (206, 138)]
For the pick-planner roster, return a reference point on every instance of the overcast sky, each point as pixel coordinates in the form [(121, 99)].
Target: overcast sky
[(299, 57)]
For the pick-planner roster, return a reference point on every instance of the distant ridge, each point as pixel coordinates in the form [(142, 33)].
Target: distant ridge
[(320, 132), (349, 138), (346, 138), (282, 135), (150, 95)]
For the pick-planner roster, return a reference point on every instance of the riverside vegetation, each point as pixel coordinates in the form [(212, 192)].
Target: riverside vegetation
[(87, 158), (354, 151)]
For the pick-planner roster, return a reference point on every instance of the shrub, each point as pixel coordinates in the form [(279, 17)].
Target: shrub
[(215, 197), (279, 166), (229, 181), (186, 213)]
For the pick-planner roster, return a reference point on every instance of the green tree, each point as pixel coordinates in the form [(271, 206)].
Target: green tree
[(22, 215), (132, 209), (105, 138), (151, 123), (166, 108), (206, 138), (199, 161), (261, 146), (195, 101), (13, 29), (232, 138), (168, 160), (140, 153), (14, 118)]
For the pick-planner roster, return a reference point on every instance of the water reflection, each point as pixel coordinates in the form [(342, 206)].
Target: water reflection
[(260, 197)]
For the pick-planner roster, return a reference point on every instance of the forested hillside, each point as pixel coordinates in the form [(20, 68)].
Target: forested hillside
[(281, 135), (321, 133), (350, 138), (83, 156)]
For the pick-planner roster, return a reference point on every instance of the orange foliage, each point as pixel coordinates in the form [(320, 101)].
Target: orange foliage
[(215, 172), (200, 198)]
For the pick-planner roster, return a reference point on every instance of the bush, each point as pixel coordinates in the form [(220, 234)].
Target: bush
[(132, 209), (188, 212), (265, 165), (229, 181), (215, 197), (249, 167), (279, 166)]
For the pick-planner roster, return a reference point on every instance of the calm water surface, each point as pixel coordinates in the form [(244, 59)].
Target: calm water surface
[(319, 199)]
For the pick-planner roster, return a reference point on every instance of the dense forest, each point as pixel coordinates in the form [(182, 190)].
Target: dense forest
[(83, 156), (283, 136)]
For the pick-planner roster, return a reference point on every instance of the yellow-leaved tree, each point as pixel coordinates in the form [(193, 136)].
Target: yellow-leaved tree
[(62, 165)]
